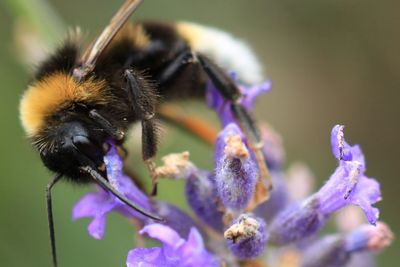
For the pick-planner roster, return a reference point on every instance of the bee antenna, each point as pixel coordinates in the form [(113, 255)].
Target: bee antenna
[(49, 186), (106, 186)]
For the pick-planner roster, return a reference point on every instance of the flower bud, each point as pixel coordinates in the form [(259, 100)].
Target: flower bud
[(236, 171), (247, 236), (298, 221)]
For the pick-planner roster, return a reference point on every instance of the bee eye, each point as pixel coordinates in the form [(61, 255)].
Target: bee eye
[(79, 140)]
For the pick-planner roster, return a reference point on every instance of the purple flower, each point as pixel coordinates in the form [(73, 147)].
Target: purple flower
[(97, 205), (236, 171), (247, 236), (175, 251), (349, 185), (337, 250), (346, 186), (223, 108)]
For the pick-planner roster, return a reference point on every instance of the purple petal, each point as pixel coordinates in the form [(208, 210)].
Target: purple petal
[(342, 150), (123, 183), (349, 186), (175, 252), (98, 204), (358, 155), (334, 193), (194, 244), (195, 240), (193, 252), (146, 257), (366, 193), (251, 93), (337, 141), (97, 227), (163, 233), (95, 205), (222, 106), (89, 204)]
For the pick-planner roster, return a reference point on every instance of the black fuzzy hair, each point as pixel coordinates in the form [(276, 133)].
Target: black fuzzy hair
[(62, 60)]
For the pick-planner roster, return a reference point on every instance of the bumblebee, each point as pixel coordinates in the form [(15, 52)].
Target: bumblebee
[(79, 100)]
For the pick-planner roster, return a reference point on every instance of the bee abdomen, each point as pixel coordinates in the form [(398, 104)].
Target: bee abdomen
[(231, 53)]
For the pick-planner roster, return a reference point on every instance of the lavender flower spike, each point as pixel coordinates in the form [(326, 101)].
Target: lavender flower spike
[(175, 251), (236, 171), (247, 236), (347, 185)]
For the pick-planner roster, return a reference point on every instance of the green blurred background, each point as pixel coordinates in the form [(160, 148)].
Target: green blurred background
[(330, 62)]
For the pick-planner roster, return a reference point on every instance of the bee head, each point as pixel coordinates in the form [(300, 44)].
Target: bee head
[(71, 145)]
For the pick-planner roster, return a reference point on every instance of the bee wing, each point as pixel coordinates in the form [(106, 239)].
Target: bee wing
[(92, 53)]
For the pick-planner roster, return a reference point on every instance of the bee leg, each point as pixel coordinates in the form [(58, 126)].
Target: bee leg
[(114, 132), (175, 67), (231, 92), (149, 149), (50, 217), (142, 99), (222, 82)]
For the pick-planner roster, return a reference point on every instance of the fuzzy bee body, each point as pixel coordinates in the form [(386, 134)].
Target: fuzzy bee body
[(151, 46), (55, 103)]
